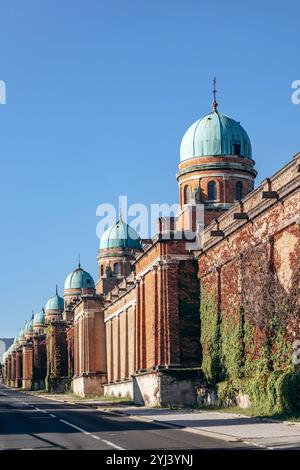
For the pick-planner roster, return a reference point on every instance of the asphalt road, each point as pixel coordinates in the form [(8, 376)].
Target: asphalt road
[(29, 422)]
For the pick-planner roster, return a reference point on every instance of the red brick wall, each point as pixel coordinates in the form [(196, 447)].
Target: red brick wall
[(248, 254)]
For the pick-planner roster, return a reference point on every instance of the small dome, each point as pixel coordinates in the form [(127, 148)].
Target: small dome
[(79, 279), (39, 318), (120, 235), (215, 134), (20, 335), (29, 326), (55, 303)]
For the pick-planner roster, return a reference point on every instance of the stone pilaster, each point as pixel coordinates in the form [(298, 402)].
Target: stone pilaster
[(90, 342), (27, 366), (19, 367), (57, 368), (13, 370), (39, 361)]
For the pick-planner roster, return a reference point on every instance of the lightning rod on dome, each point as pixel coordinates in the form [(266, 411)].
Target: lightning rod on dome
[(215, 104)]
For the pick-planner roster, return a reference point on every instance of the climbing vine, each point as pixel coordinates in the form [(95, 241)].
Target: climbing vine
[(209, 339), (251, 353)]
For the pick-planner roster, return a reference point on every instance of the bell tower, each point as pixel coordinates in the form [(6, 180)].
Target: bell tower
[(119, 246), (216, 167)]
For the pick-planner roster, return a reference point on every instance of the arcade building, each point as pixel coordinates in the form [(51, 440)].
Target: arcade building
[(137, 331)]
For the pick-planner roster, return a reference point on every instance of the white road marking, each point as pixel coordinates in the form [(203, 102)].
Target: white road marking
[(39, 409), (111, 444), (75, 427)]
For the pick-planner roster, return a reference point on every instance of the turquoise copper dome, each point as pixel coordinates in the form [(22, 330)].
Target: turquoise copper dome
[(79, 279), (29, 326), (55, 303), (215, 134), (39, 318), (20, 335), (120, 235)]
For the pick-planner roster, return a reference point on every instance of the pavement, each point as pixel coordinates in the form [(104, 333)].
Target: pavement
[(30, 422), (226, 427)]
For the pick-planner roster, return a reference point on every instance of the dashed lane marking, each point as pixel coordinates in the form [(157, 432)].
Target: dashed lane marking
[(110, 444), (75, 427)]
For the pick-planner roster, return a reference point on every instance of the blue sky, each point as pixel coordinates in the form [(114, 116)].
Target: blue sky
[(99, 94)]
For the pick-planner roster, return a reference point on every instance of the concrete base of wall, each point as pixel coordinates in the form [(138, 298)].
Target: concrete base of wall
[(243, 401), (208, 396), (119, 389), (158, 388), (38, 385), (26, 384), (89, 384), (58, 385), (165, 387)]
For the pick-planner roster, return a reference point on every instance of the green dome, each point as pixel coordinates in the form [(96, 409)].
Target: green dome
[(20, 335), (29, 326), (79, 279), (215, 134), (55, 303), (120, 235), (39, 318)]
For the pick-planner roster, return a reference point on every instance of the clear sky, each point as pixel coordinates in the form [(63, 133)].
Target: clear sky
[(99, 95)]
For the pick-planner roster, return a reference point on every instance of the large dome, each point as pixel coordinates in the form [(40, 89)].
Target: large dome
[(215, 134), (79, 279), (120, 235)]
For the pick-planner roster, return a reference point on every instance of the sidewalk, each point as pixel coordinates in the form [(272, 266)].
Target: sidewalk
[(269, 434), (227, 426)]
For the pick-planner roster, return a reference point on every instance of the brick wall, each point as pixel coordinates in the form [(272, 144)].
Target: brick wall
[(239, 265)]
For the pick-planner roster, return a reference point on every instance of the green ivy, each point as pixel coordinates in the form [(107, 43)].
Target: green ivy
[(231, 362), (209, 336)]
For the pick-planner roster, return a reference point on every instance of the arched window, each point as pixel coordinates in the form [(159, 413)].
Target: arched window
[(211, 191), (101, 270), (238, 190), (237, 149), (116, 268), (187, 195)]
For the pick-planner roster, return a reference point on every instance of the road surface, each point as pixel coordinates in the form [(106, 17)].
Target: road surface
[(29, 422)]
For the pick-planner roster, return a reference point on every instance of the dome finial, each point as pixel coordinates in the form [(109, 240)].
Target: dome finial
[(215, 104), (79, 265), (56, 290)]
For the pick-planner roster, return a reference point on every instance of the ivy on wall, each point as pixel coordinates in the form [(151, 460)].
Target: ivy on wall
[(234, 361), (209, 337)]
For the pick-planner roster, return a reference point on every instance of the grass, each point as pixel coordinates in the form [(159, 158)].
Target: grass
[(114, 399), (251, 412), (73, 397)]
